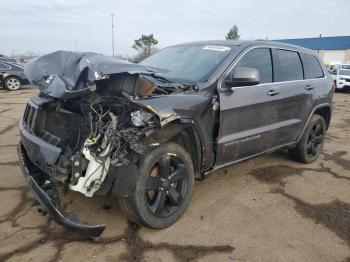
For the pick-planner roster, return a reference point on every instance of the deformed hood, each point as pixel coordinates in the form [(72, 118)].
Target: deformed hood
[(65, 74)]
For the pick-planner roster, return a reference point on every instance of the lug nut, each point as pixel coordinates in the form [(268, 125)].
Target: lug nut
[(161, 189), (76, 174), (76, 163)]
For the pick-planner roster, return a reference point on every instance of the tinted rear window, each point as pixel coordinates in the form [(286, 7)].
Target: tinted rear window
[(260, 59), (344, 72), (290, 66), (4, 66), (312, 68)]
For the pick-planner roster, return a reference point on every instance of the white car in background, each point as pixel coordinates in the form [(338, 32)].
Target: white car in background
[(342, 79)]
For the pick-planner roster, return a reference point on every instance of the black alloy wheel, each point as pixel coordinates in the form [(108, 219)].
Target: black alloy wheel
[(314, 141), (166, 186), (311, 142), (163, 189)]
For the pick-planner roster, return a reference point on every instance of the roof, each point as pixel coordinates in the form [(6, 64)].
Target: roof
[(214, 42), (247, 43), (321, 43)]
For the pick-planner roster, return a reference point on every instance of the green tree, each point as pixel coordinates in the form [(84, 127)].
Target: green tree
[(233, 33), (145, 45)]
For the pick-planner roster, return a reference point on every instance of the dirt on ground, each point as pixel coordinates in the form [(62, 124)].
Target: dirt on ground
[(267, 209)]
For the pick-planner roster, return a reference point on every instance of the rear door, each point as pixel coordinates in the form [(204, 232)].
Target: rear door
[(248, 114), (316, 86), (4, 68), (296, 98)]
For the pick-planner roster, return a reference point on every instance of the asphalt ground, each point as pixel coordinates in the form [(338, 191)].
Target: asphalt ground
[(267, 209)]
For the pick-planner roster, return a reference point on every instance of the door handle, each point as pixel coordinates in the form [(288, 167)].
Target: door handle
[(273, 92), (308, 87)]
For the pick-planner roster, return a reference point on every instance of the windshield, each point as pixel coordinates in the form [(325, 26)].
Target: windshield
[(344, 72), (345, 66), (189, 62)]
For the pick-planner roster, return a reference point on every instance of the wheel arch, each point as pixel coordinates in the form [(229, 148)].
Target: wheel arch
[(8, 76), (185, 133), (324, 110)]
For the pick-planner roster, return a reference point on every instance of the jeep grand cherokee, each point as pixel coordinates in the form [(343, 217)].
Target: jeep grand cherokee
[(143, 132)]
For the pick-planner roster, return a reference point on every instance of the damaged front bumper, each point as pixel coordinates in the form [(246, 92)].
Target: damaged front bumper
[(43, 193)]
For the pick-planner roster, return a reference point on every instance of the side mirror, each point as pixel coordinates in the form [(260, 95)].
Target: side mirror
[(242, 76)]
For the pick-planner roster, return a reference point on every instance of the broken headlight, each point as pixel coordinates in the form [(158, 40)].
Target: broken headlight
[(140, 118)]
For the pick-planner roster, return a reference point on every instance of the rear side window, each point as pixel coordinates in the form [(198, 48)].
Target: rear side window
[(290, 66), (260, 59), (312, 68), (4, 67)]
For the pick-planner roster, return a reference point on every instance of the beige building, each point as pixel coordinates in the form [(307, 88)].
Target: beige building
[(335, 56)]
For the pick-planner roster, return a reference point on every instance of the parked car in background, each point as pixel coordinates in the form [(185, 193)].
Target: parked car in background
[(143, 132), (341, 78), (8, 59), (11, 74), (334, 67)]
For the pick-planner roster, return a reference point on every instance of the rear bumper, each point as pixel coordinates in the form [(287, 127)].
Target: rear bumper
[(44, 193)]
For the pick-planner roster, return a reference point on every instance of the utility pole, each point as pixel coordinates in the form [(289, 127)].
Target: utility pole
[(112, 15), (76, 44)]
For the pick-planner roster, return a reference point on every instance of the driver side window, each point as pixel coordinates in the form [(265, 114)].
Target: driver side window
[(260, 59)]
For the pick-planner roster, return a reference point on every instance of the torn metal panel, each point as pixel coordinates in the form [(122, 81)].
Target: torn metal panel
[(65, 74), (176, 106)]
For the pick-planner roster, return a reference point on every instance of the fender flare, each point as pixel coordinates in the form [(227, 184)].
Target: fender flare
[(181, 126), (323, 105)]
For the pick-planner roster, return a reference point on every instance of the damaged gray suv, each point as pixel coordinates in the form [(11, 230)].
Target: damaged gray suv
[(144, 132)]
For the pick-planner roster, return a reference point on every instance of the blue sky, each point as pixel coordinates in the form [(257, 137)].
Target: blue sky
[(43, 26)]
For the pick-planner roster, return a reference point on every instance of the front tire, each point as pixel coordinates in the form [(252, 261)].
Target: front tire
[(12, 83), (310, 145), (163, 190)]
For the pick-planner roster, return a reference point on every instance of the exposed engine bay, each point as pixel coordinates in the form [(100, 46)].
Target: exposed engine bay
[(98, 130)]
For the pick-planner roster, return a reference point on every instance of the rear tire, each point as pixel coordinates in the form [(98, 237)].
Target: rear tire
[(310, 145), (12, 83), (163, 190)]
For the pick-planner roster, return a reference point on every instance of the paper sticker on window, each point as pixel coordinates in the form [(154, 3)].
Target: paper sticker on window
[(219, 48)]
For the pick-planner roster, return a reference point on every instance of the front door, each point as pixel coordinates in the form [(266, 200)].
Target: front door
[(248, 114)]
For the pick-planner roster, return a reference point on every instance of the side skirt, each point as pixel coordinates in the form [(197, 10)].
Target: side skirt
[(219, 167)]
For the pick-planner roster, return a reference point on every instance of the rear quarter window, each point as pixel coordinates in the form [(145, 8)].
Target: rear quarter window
[(312, 68), (290, 66), (4, 66)]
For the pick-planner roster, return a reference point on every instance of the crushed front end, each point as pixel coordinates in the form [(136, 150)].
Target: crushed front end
[(79, 135)]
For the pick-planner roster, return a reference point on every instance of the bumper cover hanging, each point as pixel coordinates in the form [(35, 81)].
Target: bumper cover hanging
[(52, 206)]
